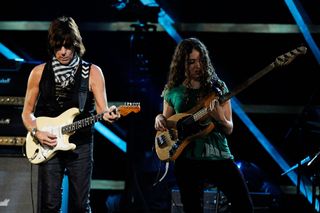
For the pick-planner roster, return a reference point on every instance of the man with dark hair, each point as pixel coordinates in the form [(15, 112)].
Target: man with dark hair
[(55, 88)]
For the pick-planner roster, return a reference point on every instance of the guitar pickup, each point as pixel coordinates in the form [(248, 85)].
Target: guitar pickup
[(162, 140)]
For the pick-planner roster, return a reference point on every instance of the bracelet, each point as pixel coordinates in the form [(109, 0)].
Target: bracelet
[(34, 131)]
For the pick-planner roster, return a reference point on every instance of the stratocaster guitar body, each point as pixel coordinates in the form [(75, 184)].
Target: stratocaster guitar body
[(37, 153), (63, 126)]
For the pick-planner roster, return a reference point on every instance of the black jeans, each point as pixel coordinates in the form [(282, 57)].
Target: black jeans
[(224, 174), (77, 164)]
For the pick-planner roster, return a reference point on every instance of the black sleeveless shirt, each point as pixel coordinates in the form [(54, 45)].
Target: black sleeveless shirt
[(54, 100)]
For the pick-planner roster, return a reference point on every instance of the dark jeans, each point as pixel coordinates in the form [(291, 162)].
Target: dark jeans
[(77, 164), (224, 174)]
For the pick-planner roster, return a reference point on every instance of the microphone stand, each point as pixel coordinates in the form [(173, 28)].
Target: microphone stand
[(314, 179), (297, 125), (298, 166)]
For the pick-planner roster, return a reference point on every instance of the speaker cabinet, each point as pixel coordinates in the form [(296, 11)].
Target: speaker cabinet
[(214, 201), (18, 185)]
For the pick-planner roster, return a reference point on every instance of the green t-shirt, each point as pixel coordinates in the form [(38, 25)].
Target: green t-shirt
[(213, 146)]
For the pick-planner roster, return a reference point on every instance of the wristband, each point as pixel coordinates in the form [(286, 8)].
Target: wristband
[(34, 131)]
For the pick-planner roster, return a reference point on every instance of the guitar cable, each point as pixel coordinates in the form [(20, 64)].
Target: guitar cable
[(31, 188), (23, 151), (164, 174)]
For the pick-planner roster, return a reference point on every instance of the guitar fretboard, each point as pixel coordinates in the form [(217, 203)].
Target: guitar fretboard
[(124, 110), (81, 123), (198, 115)]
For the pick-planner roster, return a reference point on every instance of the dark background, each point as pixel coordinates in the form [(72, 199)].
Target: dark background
[(135, 62)]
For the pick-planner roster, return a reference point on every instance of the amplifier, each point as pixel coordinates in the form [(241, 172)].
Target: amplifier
[(12, 130), (12, 146), (12, 140), (211, 197), (10, 116), (214, 201), (11, 100), (18, 184), (13, 82)]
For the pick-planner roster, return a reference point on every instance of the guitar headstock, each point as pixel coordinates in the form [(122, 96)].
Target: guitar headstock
[(129, 107), (288, 57)]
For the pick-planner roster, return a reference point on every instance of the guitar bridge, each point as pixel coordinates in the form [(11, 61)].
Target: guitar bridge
[(174, 148)]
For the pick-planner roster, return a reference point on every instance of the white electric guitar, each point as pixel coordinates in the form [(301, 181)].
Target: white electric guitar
[(63, 127)]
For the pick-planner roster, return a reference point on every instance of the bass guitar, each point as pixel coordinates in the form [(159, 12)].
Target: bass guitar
[(183, 128), (63, 127)]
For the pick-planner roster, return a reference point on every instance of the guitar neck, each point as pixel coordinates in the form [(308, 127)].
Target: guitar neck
[(124, 110), (204, 111), (200, 114), (281, 60), (247, 83), (81, 123)]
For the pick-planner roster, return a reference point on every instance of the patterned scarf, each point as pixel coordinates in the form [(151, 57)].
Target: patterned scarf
[(64, 74)]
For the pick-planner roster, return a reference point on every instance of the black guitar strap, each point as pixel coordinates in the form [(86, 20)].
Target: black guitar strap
[(84, 84)]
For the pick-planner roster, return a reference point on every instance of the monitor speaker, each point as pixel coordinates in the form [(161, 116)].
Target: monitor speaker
[(18, 185), (215, 201)]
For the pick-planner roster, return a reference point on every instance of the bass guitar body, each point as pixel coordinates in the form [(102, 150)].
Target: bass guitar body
[(170, 143)]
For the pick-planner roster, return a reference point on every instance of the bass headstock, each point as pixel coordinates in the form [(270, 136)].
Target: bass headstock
[(288, 57)]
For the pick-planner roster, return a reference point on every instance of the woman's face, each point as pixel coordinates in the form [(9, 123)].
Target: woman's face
[(194, 65)]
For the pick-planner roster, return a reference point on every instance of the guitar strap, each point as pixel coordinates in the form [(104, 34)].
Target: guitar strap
[(84, 84)]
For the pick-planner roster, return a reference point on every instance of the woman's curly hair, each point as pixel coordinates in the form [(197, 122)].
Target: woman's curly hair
[(178, 65)]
